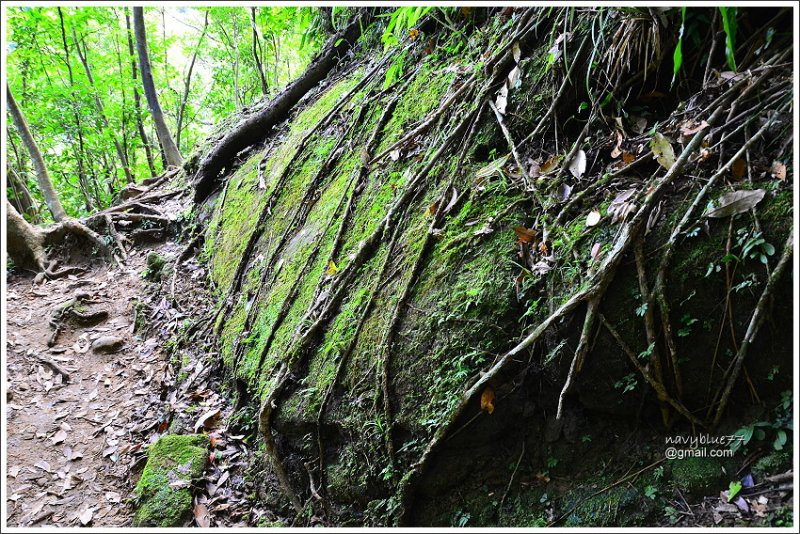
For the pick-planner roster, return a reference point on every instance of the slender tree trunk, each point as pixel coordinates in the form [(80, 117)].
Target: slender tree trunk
[(171, 153), (25, 202), (80, 153), (137, 102), (256, 47), (43, 177), (83, 56), (22, 199), (188, 82)]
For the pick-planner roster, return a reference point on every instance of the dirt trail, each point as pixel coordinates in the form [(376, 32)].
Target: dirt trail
[(72, 440), (79, 417)]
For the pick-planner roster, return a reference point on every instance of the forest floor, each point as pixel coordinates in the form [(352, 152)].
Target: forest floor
[(83, 405)]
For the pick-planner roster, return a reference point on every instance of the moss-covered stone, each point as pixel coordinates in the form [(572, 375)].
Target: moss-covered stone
[(698, 476), (163, 492), (155, 266)]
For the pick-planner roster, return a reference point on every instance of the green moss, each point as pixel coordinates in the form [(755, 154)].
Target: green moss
[(772, 463), (155, 267), (698, 476), (171, 459)]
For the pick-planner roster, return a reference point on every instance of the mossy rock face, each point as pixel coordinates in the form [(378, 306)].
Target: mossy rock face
[(699, 476), (771, 464), (466, 298), (171, 459)]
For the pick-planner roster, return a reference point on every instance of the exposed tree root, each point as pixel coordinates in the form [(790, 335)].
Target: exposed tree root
[(596, 288), (252, 129), (757, 319)]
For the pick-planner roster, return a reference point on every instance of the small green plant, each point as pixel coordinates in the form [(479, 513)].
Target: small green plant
[(729, 25), (552, 462), (733, 489), (628, 383), (687, 321), (650, 492), (754, 246), (461, 518), (776, 430), (671, 514)]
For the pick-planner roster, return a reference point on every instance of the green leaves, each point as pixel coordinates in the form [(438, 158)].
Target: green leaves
[(729, 26), (677, 56)]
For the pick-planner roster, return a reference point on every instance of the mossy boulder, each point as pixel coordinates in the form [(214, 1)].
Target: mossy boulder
[(155, 267), (164, 490), (699, 476)]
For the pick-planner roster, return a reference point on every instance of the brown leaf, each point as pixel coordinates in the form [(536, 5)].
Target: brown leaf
[(432, 209), (550, 164), (690, 129), (628, 158), (487, 400), (201, 515), (525, 235), (739, 168), (617, 151), (736, 202), (778, 170), (208, 419)]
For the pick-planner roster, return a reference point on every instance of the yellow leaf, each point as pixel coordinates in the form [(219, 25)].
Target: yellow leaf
[(332, 268), (487, 400), (413, 33), (432, 209), (662, 150)]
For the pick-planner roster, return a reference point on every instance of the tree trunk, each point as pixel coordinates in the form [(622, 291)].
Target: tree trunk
[(171, 152), (25, 241), (137, 102), (256, 57), (123, 159), (253, 129), (188, 82), (43, 177)]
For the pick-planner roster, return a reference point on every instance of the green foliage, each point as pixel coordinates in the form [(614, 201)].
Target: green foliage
[(729, 25), (401, 20), (677, 56), (60, 102), (777, 429)]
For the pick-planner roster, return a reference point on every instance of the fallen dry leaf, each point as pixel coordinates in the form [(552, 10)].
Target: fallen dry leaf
[(739, 168), (593, 218), (86, 516), (778, 170), (578, 164), (201, 515), (736, 202), (207, 420), (59, 437), (525, 235), (487, 400), (662, 150)]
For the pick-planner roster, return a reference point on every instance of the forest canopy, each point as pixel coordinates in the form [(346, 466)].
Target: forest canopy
[(72, 71)]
